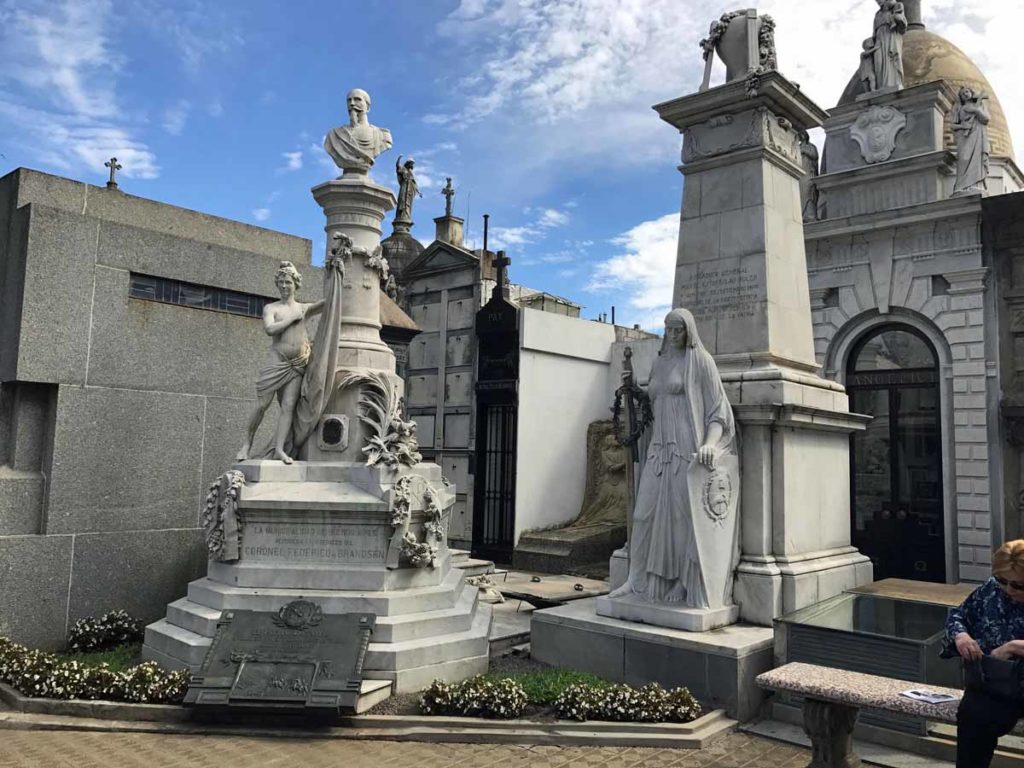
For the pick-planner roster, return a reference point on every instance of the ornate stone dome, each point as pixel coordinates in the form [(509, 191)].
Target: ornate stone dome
[(928, 57), (400, 249)]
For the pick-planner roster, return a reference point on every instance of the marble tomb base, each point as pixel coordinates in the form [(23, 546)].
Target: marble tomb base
[(320, 531), (719, 667)]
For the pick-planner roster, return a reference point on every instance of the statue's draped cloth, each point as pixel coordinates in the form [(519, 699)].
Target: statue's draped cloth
[(276, 374), (888, 55), (972, 163), (350, 151), (686, 397), (318, 381)]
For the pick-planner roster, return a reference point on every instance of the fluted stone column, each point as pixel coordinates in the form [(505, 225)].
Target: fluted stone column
[(355, 206)]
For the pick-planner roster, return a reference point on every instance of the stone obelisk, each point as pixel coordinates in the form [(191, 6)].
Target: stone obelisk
[(741, 269)]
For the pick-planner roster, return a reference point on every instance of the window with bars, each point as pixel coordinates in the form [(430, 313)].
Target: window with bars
[(168, 291)]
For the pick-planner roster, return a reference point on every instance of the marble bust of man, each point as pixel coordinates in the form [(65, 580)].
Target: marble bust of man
[(355, 146)]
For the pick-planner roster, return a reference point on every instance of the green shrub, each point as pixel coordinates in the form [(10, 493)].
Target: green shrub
[(108, 631), (39, 674), (475, 697), (543, 687), (649, 704)]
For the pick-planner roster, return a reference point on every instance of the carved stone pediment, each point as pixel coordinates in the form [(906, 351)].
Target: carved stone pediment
[(875, 132)]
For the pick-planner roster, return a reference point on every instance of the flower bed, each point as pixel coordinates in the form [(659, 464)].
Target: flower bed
[(560, 693), (40, 674)]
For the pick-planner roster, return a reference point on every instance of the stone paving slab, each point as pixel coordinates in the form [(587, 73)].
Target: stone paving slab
[(58, 749)]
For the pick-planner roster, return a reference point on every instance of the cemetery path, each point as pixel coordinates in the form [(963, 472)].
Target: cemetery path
[(69, 749)]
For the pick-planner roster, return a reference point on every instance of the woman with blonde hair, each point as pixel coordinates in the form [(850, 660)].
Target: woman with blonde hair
[(990, 622)]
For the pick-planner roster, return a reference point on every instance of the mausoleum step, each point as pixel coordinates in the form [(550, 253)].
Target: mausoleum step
[(193, 617), (459, 555), (339, 497), (416, 600), (473, 567), (372, 693), (176, 642), (434, 650), (418, 678), (417, 626)]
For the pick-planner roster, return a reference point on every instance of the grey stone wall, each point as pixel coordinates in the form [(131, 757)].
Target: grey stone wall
[(116, 412)]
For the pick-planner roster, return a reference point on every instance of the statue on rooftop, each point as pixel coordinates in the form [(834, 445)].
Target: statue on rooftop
[(408, 189), (355, 146), (809, 193), (970, 127), (887, 50), (733, 36)]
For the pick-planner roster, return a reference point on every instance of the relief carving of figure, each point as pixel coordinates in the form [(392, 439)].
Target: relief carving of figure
[(355, 146), (290, 350), (693, 422), (970, 127), (887, 53), (408, 189)]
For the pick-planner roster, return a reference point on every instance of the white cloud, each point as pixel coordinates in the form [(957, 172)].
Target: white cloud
[(576, 79), (261, 214), (645, 267), (545, 219), (293, 160), (550, 217), (175, 117), (60, 102)]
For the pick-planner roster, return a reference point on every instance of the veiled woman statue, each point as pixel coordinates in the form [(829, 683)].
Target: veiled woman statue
[(970, 127), (890, 26), (693, 422)]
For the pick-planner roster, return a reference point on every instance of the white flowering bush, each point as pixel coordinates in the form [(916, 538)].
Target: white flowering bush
[(39, 674), (108, 631), (476, 697), (623, 703)]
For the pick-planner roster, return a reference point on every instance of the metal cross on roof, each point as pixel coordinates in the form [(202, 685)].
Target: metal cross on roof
[(114, 167)]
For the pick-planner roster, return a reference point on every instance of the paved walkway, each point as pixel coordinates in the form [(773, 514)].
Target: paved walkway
[(63, 749)]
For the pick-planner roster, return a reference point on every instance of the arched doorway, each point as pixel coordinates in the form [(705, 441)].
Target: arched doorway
[(896, 463)]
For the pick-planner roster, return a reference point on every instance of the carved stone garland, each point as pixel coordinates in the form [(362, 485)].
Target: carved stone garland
[(392, 440), (405, 548), (221, 520)]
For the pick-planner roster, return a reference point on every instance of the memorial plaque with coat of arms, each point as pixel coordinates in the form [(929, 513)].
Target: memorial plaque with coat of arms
[(295, 659), (714, 497)]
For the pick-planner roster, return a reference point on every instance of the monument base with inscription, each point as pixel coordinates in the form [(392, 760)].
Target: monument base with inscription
[(350, 539), (295, 660)]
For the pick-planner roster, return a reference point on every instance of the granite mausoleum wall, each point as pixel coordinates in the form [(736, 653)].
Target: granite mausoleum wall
[(117, 411)]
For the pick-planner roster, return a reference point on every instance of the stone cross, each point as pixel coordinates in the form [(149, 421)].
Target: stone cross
[(114, 167), (449, 193)]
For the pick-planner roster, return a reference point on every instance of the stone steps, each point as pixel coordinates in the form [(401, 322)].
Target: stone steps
[(193, 617), (419, 652), (473, 567), (417, 600), (410, 664), (416, 626)]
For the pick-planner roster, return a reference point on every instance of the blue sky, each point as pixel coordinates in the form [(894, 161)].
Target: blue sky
[(539, 109)]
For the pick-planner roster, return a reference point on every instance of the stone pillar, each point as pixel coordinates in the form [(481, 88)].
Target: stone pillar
[(741, 269), (355, 206)]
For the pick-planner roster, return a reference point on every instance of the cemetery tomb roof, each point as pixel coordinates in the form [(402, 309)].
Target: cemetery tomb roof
[(928, 57), (401, 249)]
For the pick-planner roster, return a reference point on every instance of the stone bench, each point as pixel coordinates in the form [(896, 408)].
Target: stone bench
[(834, 697)]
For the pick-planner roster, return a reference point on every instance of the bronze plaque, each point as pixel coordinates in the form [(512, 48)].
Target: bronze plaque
[(295, 659)]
